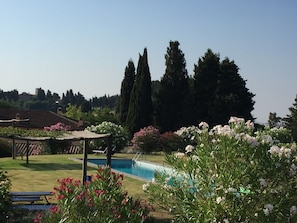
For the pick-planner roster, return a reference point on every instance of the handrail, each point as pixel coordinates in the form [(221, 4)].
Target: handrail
[(136, 156)]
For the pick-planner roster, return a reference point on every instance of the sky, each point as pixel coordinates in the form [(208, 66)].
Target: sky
[(85, 45)]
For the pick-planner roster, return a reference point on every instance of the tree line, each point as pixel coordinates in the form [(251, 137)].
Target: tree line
[(212, 94), (49, 101)]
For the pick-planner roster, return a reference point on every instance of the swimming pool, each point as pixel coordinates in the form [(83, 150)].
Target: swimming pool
[(139, 169)]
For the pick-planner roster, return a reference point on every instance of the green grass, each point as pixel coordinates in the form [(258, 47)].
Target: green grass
[(42, 172)]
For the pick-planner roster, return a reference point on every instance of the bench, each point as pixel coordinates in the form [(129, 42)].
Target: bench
[(34, 207), (19, 200), (30, 199), (30, 196)]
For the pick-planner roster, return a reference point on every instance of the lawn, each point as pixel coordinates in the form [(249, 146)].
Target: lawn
[(42, 172)]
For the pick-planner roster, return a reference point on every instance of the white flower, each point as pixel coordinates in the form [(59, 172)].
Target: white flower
[(226, 220), (293, 169), (145, 186), (194, 157), (251, 140), (267, 139), (274, 150), (263, 182), (250, 125), (236, 120), (189, 148), (203, 125), (179, 155), (267, 209), (293, 210), (219, 200)]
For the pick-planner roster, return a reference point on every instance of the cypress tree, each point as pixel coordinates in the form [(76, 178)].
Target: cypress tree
[(140, 111), (126, 88), (174, 88)]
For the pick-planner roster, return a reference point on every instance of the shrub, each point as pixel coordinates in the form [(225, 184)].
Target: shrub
[(5, 148), (233, 175), (278, 134), (54, 145), (170, 141), (5, 201), (188, 135), (100, 200), (147, 139), (118, 132)]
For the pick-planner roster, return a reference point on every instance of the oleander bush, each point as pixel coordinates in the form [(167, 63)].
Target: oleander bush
[(5, 201), (234, 174), (147, 139), (119, 135), (100, 200)]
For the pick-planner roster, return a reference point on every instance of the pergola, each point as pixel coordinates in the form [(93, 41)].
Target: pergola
[(84, 136)]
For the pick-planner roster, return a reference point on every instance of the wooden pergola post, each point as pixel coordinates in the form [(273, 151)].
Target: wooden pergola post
[(109, 150), (85, 160), (27, 152), (13, 149)]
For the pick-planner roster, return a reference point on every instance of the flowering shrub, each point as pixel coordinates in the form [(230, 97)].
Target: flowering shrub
[(147, 139), (117, 131), (99, 200), (57, 127), (278, 134), (170, 141), (189, 134), (5, 201), (233, 175)]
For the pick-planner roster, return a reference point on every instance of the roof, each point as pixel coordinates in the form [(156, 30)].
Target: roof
[(35, 119), (73, 135)]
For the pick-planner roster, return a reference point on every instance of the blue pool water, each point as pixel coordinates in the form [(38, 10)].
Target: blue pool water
[(139, 169)]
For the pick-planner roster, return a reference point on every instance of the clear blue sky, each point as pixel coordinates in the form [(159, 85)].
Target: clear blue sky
[(85, 45)]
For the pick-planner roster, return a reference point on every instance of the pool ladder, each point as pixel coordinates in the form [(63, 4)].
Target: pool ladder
[(136, 156)]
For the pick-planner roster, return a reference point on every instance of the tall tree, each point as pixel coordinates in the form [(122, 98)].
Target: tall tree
[(206, 74), (232, 98), (220, 91), (291, 120), (140, 113), (171, 100), (126, 88)]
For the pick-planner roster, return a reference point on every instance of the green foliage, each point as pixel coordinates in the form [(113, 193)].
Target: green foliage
[(274, 120), (189, 135), (100, 200), (219, 91), (171, 101), (278, 134), (5, 148), (233, 175), (118, 133), (147, 139), (9, 131), (170, 141), (140, 113), (126, 88), (6, 104), (232, 98), (94, 117), (5, 201), (291, 120)]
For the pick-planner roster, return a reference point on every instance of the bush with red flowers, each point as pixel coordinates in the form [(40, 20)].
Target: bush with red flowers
[(100, 200)]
